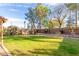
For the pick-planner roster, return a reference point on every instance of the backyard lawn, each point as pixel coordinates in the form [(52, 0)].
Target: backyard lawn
[(41, 46)]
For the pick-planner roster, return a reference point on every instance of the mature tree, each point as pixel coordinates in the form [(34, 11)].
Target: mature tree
[(73, 7), (60, 14), (31, 17), (2, 20), (50, 24), (12, 30), (42, 12)]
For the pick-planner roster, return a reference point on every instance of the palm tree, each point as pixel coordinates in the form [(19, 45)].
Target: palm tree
[(73, 7), (2, 20)]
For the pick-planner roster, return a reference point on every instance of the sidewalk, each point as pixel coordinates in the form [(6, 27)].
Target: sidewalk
[(3, 52)]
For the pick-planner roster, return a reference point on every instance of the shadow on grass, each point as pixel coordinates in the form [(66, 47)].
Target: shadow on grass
[(42, 52), (31, 38), (19, 53), (66, 49)]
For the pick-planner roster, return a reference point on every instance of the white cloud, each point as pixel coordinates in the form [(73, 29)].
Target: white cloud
[(19, 5), (52, 3), (14, 10), (15, 22), (22, 5), (2, 4)]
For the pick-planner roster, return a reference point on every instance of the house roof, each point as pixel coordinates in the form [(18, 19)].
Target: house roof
[(2, 19)]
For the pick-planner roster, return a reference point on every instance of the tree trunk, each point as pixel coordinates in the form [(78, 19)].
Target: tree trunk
[(70, 23), (33, 28), (76, 29), (24, 24), (40, 25), (60, 29)]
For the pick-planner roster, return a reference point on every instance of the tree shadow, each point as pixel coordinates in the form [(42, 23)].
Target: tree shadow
[(68, 48), (65, 49), (32, 38), (19, 53), (42, 52)]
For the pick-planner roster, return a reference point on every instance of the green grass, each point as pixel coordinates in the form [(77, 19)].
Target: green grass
[(41, 46)]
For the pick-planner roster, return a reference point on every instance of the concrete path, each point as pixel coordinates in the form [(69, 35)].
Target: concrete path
[(4, 52)]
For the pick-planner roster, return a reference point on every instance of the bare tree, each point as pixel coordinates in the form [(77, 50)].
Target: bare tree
[(60, 14)]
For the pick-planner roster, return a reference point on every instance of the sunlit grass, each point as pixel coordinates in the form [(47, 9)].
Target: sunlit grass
[(41, 45), (31, 45)]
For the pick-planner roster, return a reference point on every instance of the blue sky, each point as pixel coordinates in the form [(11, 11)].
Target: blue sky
[(15, 12)]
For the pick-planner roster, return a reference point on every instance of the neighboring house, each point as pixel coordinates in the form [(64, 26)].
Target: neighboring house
[(24, 31)]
